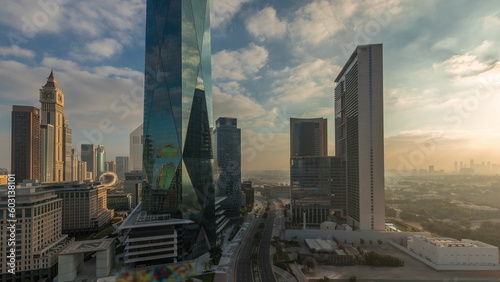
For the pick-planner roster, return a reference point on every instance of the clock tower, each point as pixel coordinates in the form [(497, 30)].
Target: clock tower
[(52, 100)]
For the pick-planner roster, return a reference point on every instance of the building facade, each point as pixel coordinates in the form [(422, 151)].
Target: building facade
[(88, 155), (74, 165), (246, 187), (308, 137), (177, 147), (452, 254), (100, 160), (39, 237), (227, 164), (133, 186), (52, 100), (359, 135), (317, 189), (67, 144), (25, 146), (122, 166), (136, 148), (111, 166), (47, 152)]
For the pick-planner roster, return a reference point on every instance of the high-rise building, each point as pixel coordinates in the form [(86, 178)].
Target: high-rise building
[(227, 164), (308, 137), (47, 152), (122, 166), (246, 187), (82, 170), (133, 185), (88, 155), (136, 148), (67, 144), (359, 135), (25, 147), (52, 100), (101, 160), (39, 237), (177, 149), (74, 165), (111, 166)]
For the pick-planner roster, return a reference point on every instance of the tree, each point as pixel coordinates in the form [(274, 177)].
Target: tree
[(353, 278), (215, 254), (379, 242), (362, 241), (371, 242), (311, 264)]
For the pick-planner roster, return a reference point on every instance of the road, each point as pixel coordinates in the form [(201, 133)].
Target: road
[(264, 259), (243, 265)]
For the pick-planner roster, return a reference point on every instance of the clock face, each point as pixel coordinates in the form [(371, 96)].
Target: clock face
[(59, 98), (48, 95)]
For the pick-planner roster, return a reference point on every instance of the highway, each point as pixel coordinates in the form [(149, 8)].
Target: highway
[(265, 260), (243, 265)]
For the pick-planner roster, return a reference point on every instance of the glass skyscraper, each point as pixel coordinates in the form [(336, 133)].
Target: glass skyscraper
[(101, 160), (308, 137), (227, 156), (177, 150)]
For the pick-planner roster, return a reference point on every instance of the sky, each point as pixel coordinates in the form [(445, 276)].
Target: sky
[(271, 60)]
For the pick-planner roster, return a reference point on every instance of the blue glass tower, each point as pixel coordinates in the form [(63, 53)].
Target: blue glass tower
[(177, 151)]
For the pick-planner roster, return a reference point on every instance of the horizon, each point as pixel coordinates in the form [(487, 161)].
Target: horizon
[(272, 61)]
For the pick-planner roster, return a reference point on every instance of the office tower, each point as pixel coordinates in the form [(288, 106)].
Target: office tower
[(177, 149), (88, 155), (39, 237), (52, 100), (111, 166), (25, 147), (74, 165), (227, 164), (246, 187), (136, 149), (359, 135), (308, 137), (47, 152), (317, 188), (133, 185), (67, 143), (101, 160), (121, 167), (82, 170)]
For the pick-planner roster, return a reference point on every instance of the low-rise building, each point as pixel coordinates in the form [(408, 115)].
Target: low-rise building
[(119, 201), (452, 254)]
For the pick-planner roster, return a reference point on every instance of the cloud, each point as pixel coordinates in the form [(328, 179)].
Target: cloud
[(103, 48), (462, 65), (229, 102), (222, 11), (240, 64), (265, 24), (16, 51)]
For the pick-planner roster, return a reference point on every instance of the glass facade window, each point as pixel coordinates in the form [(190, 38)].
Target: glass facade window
[(177, 147)]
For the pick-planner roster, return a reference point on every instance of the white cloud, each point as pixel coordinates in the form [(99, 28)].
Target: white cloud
[(222, 11), (462, 65), (103, 48), (16, 51), (448, 43), (265, 24), (229, 102), (240, 64)]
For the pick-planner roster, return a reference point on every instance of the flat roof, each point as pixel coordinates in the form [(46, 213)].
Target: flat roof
[(78, 247), (351, 59), (137, 218)]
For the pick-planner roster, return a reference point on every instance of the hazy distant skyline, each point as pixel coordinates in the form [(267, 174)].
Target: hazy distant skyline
[(271, 60)]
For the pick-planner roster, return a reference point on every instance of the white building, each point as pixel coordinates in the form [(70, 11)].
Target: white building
[(451, 254), (359, 135), (136, 148)]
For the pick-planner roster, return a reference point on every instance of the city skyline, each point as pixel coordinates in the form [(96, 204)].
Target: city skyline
[(434, 107)]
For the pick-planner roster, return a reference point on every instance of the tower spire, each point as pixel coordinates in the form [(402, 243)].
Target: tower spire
[(51, 80)]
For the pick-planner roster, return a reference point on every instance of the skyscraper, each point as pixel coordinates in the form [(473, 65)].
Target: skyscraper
[(52, 100), (101, 160), (227, 160), (74, 165), (359, 135), (308, 137), (47, 152), (67, 143), (136, 148), (25, 147), (88, 155), (177, 152), (122, 164)]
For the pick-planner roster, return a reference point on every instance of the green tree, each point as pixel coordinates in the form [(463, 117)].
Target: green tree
[(362, 241), (215, 254)]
